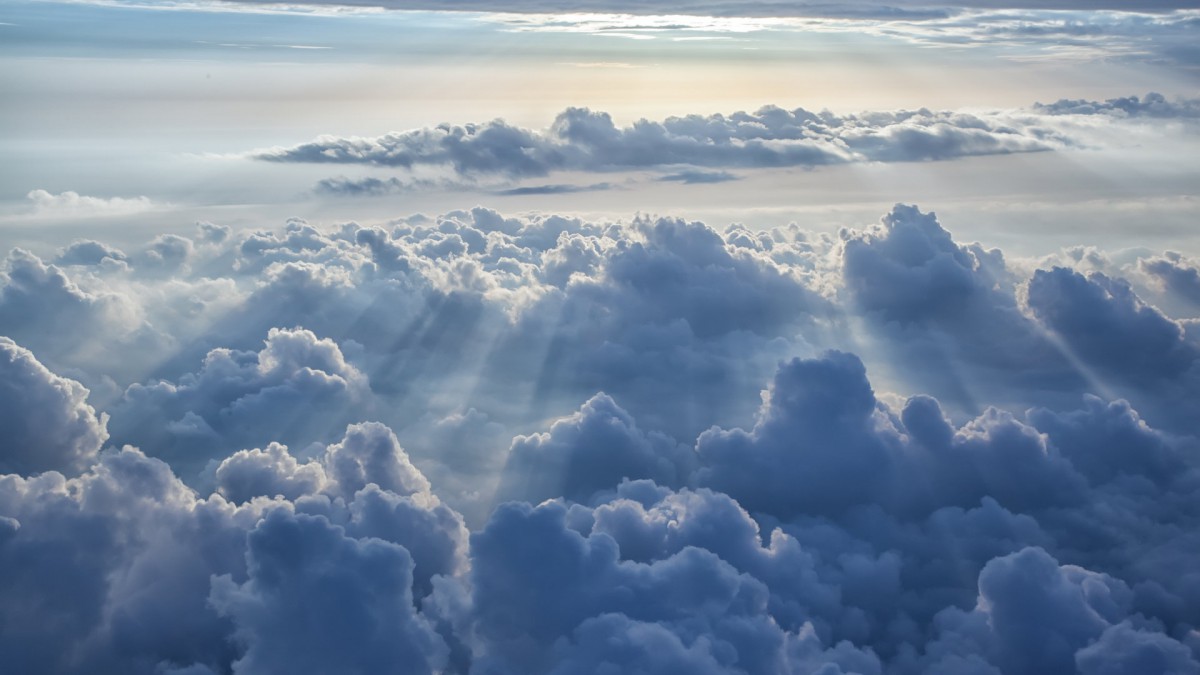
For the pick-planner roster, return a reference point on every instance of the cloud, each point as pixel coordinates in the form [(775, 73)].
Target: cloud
[(47, 424), (238, 399), (593, 607), (342, 186), (1152, 105), (554, 189), (584, 140), (934, 300), (74, 204), (67, 325), (42, 300), (1159, 32), (89, 252), (126, 569), (1103, 322), (1077, 31), (1033, 615), (369, 475), (588, 452), (912, 10), (1175, 275), (821, 423), (1125, 649), (316, 599), (336, 418)]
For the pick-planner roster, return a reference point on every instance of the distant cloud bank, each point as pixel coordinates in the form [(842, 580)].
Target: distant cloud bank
[(705, 149), (74, 204), (584, 140)]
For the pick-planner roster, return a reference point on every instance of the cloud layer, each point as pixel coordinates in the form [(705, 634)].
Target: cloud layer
[(699, 149), (584, 140), (479, 443)]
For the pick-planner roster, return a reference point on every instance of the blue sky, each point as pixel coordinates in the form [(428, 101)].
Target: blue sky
[(572, 336)]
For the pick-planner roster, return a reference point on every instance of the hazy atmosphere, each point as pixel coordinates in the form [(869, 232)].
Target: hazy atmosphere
[(600, 336)]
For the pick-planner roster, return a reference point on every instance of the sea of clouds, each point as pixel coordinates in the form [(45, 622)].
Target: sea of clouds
[(540, 444)]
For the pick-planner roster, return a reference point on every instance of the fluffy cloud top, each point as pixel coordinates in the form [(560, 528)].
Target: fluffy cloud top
[(46, 424), (487, 444), (318, 600), (240, 398)]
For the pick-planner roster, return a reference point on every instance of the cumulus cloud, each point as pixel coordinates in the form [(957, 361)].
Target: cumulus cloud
[(40, 303), (588, 452), (480, 443), (1175, 275), (1107, 325), (89, 252), (595, 608), (126, 569), (821, 423), (239, 399), (316, 599), (1034, 615), (584, 140), (47, 424), (936, 301)]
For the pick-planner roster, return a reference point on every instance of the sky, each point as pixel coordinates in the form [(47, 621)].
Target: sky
[(572, 336)]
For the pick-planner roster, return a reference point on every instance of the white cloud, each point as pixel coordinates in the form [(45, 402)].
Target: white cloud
[(73, 204)]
